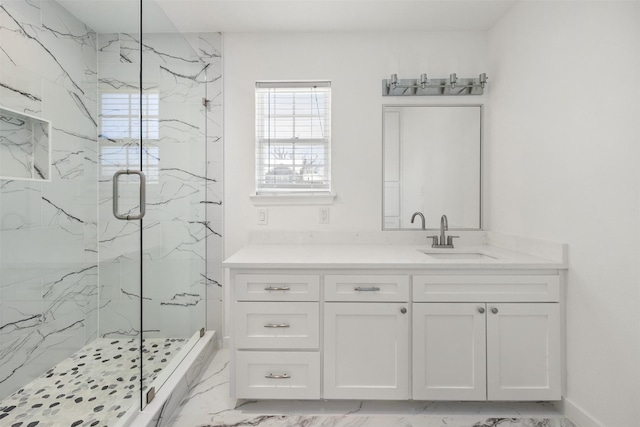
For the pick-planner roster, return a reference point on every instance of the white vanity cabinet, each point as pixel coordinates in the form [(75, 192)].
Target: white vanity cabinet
[(276, 336), (366, 344), (477, 346), (395, 333)]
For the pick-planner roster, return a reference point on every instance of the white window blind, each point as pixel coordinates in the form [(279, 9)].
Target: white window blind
[(125, 119), (120, 114), (293, 137)]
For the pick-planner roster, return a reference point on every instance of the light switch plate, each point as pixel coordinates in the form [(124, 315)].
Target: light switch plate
[(263, 216)]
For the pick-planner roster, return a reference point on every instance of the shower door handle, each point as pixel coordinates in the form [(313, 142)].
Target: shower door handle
[(143, 194)]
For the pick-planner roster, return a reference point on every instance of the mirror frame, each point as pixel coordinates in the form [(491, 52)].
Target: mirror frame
[(480, 171)]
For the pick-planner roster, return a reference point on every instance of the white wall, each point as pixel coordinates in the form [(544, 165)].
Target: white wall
[(355, 63), (564, 161)]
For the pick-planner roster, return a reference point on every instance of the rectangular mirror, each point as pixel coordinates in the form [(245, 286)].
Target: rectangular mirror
[(432, 157)]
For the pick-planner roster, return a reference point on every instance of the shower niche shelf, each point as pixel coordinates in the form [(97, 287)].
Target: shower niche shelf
[(25, 147)]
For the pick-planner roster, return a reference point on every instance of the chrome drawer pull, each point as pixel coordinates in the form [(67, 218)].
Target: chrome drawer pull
[(276, 325), (370, 289), (278, 377), (277, 288)]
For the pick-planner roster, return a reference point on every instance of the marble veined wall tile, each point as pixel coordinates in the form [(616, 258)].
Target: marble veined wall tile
[(68, 156), (63, 203), (69, 111), (48, 234), (29, 9), (20, 204), (40, 324), (120, 319), (169, 199), (52, 52), (183, 240), (34, 252), (186, 280), (120, 239), (19, 88), (22, 308), (16, 148), (108, 44), (72, 45)]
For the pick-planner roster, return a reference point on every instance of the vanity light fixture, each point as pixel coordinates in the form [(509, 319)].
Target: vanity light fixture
[(423, 86), (423, 81), (394, 81), (483, 80), (453, 79)]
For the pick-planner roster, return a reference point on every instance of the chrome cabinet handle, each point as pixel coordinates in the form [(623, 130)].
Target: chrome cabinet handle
[(278, 376), (277, 325), (481, 310), (369, 289), (277, 288), (494, 310), (403, 310), (143, 194)]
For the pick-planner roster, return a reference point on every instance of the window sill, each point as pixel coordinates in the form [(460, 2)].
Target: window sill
[(292, 199)]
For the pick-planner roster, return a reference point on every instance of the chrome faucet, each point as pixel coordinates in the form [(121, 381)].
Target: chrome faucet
[(444, 226), (415, 214), (444, 241)]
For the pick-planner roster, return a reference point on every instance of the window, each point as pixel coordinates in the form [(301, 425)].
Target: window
[(120, 115), (120, 125), (293, 136)]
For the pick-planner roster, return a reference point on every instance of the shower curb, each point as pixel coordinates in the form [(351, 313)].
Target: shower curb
[(159, 411)]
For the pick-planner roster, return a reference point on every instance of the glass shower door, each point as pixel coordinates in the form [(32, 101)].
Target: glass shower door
[(174, 228)]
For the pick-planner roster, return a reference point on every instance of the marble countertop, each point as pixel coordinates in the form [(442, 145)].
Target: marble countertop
[(387, 256)]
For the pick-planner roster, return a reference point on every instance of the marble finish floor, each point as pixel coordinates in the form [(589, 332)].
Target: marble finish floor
[(93, 387), (208, 404)]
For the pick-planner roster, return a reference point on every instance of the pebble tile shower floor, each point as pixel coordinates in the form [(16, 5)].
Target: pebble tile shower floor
[(93, 387)]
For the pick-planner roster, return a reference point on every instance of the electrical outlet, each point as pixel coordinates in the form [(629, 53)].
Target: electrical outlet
[(324, 215), (263, 216)]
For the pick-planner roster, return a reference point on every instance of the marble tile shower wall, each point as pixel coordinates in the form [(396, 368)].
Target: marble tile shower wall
[(48, 229), (182, 148)]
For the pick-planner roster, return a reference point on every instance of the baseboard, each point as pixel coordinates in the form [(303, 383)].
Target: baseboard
[(577, 414)]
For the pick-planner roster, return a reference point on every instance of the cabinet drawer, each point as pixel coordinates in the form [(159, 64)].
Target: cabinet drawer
[(277, 287), (366, 288), (489, 288), (277, 375), (277, 325)]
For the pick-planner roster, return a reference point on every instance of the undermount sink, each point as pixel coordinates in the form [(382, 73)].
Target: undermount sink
[(457, 255)]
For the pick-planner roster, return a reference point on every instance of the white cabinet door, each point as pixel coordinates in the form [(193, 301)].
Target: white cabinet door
[(366, 351), (449, 353), (523, 351)]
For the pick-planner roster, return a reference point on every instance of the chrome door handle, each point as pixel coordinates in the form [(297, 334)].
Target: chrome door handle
[(494, 310), (481, 310), (143, 194), (370, 289), (278, 376), (277, 288), (277, 325)]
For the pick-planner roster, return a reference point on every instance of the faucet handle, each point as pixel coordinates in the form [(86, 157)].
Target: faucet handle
[(434, 242), (450, 240)]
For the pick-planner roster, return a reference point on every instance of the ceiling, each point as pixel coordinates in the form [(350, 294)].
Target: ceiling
[(107, 16)]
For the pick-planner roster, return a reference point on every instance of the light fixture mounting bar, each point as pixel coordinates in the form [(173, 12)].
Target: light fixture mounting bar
[(450, 86)]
